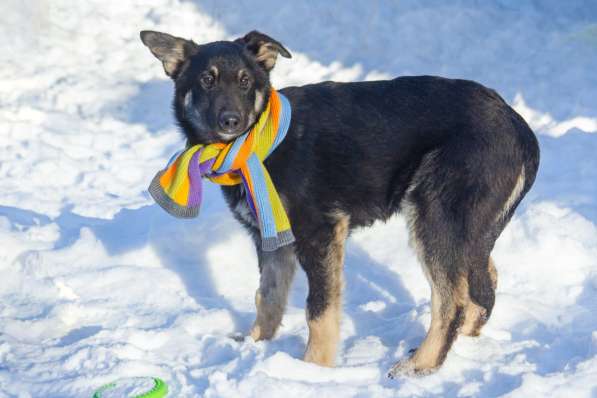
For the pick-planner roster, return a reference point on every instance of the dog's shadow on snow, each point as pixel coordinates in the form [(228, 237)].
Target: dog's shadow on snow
[(378, 303), (181, 245)]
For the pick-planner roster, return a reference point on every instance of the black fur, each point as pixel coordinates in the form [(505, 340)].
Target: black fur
[(450, 149)]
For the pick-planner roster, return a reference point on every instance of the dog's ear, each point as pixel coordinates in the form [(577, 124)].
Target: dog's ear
[(264, 48), (171, 50)]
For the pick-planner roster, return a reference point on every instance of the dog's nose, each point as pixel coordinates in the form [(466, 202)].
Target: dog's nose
[(229, 121)]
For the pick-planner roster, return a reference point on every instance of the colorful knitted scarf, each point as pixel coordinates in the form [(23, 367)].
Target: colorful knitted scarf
[(178, 188)]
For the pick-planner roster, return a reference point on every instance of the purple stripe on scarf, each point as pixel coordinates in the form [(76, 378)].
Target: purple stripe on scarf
[(196, 185), (205, 167)]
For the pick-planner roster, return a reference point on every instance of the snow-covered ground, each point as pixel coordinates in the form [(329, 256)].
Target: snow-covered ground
[(97, 283)]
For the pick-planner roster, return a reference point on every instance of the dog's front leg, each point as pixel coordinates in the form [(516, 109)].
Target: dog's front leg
[(277, 270), (323, 263)]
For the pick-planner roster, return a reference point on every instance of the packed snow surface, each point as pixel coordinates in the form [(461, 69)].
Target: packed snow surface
[(98, 284)]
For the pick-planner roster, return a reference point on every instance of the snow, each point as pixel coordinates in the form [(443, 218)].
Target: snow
[(98, 284)]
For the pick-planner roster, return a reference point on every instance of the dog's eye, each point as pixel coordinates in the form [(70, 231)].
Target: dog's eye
[(207, 81), (244, 82)]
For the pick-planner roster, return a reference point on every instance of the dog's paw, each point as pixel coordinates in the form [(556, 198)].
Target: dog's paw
[(256, 333), (404, 367), (408, 368), (259, 333)]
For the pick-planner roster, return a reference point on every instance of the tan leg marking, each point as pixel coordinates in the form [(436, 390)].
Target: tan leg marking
[(427, 355), (474, 319), (475, 316), (492, 273), (514, 195), (324, 331), (445, 321)]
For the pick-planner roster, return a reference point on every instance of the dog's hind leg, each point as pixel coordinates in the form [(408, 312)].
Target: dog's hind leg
[(446, 272), (456, 208), (323, 263), (277, 271)]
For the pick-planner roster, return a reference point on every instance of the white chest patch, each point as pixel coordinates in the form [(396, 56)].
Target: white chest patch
[(243, 210)]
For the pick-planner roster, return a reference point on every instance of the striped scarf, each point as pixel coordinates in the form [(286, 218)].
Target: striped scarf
[(178, 188)]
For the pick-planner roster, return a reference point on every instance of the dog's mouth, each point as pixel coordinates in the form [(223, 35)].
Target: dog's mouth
[(227, 137), (207, 137)]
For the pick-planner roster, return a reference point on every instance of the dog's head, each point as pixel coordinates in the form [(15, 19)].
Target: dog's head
[(220, 87)]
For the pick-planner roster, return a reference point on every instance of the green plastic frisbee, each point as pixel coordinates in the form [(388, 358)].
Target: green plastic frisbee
[(133, 387)]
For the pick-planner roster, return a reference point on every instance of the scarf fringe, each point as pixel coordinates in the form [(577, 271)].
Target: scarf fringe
[(167, 203)]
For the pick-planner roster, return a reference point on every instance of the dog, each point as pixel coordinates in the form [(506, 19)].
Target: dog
[(450, 155)]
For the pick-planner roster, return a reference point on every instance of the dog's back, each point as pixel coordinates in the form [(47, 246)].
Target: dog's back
[(357, 146)]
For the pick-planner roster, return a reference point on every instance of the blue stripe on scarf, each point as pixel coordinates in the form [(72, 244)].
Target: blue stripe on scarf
[(283, 122), (265, 217)]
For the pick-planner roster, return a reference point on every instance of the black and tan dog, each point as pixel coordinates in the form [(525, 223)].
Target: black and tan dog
[(450, 155)]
